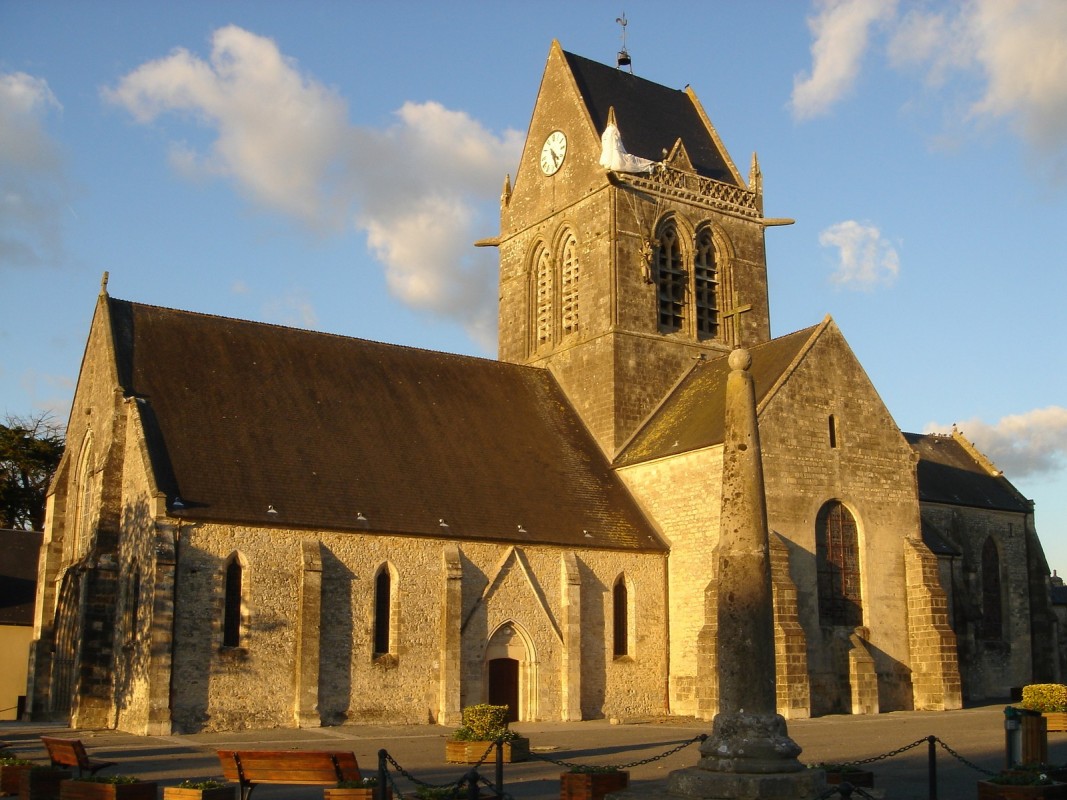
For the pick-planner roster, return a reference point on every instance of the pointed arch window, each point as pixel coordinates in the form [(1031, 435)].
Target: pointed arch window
[(544, 288), (621, 618), (569, 285), (233, 602), (838, 567), (992, 609), (670, 280), (384, 612), (706, 285), (83, 510)]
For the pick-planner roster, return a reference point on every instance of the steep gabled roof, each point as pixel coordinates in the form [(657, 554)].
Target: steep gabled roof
[(18, 575), (949, 473), (692, 416), (650, 117), (241, 416)]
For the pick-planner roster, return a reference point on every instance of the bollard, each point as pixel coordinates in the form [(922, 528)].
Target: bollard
[(932, 765), (472, 784), (383, 777), (1013, 748), (499, 767)]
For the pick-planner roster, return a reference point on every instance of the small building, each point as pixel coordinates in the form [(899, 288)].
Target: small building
[(18, 590)]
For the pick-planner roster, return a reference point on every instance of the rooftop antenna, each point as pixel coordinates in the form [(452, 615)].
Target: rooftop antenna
[(623, 59)]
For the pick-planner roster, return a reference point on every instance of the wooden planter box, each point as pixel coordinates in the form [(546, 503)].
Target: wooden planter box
[(218, 793), (42, 783), (355, 794), (1000, 791), (91, 790), (860, 777), (591, 785), (457, 752), (11, 775), (1056, 720)]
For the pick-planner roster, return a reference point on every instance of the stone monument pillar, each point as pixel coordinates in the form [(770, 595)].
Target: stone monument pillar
[(749, 753)]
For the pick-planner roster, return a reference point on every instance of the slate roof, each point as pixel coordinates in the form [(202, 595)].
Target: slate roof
[(947, 473), (18, 575), (241, 416), (693, 415), (651, 117)]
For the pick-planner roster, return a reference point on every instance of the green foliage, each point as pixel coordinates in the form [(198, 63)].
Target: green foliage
[(11, 761), (30, 450), (594, 769), (362, 783), (484, 723), (1045, 697), (201, 785), (1021, 778), (437, 792), (117, 780)]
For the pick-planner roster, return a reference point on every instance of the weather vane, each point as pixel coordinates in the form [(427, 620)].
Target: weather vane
[(623, 59)]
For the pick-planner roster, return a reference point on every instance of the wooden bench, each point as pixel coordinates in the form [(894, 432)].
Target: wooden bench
[(250, 768), (71, 753)]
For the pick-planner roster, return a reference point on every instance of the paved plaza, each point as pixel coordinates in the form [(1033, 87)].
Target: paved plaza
[(975, 734)]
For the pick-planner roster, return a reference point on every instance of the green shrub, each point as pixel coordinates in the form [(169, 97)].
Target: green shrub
[(439, 792), (484, 723), (362, 783), (593, 769), (115, 779), (1018, 778), (201, 785), (11, 761), (1045, 697)]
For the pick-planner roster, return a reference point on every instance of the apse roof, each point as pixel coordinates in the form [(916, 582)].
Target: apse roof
[(341, 433), (650, 117), (948, 473)]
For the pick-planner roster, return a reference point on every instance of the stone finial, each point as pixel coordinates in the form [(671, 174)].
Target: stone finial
[(505, 195), (103, 284)]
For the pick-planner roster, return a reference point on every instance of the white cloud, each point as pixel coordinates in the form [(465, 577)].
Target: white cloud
[(840, 29), (865, 259), (1020, 444), (33, 188), (293, 308), (422, 189)]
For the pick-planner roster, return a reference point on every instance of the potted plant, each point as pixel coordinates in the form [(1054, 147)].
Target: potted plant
[(483, 725), (41, 783), (362, 789), (1021, 785), (1051, 700), (585, 782), (199, 790), (107, 787), (11, 770), (846, 773), (440, 792)]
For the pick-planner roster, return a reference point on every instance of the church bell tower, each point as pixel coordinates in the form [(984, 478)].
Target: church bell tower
[(617, 277)]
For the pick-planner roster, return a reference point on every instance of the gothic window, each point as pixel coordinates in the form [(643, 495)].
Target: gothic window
[(232, 602), (671, 280), (569, 286), (838, 566), (83, 511), (620, 617), (706, 286), (832, 425), (992, 619), (384, 629), (544, 289)]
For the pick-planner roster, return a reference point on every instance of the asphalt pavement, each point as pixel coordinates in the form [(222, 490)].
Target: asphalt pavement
[(969, 743)]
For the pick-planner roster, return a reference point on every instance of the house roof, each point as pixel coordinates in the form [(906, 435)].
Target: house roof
[(18, 575), (242, 416), (949, 473), (693, 415), (650, 117)]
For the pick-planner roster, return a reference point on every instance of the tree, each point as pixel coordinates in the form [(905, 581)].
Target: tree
[(30, 449)]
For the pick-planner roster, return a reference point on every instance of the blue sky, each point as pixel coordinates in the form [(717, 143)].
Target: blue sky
[(328, 164)]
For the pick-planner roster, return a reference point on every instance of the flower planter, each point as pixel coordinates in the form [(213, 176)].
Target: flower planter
[(11, 775), (42, 783), (92, 790), (858, 777), (1055, 720), (217, 793), (461, 752), (365, 793), (591, 785), (1003, 791)]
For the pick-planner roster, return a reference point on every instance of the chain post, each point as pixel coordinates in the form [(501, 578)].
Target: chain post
[(499, 767), (472, 784), (381, 790), (932, 768)]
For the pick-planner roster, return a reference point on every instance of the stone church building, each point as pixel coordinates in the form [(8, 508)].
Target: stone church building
[(255, 525)]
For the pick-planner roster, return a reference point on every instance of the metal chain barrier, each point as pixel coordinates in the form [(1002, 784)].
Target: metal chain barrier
[(963, 760), (572, 766), (890, 754)]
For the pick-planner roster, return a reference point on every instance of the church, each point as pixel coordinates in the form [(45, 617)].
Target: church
[(260, 526)]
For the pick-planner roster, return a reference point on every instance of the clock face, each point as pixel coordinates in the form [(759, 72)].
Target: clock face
[(553, 152)]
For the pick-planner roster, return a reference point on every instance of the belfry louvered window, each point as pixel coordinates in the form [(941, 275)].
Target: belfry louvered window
[(670, 280), (706, 286), (838, 566), (545, 289), (569, 286)]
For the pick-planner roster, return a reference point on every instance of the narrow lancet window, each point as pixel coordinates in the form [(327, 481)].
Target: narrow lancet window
[(832, 425), (620, 619), (992, 625), (231, 615), (838, 567), (382, 611)]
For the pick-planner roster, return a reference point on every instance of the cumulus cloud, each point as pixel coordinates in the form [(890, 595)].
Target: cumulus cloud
[(1020, 444), (840, 29), (33, 188), (865, 259), (422, 189)]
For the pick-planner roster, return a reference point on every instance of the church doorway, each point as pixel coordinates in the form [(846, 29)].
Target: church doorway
[(511, 672), (504, 685)]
